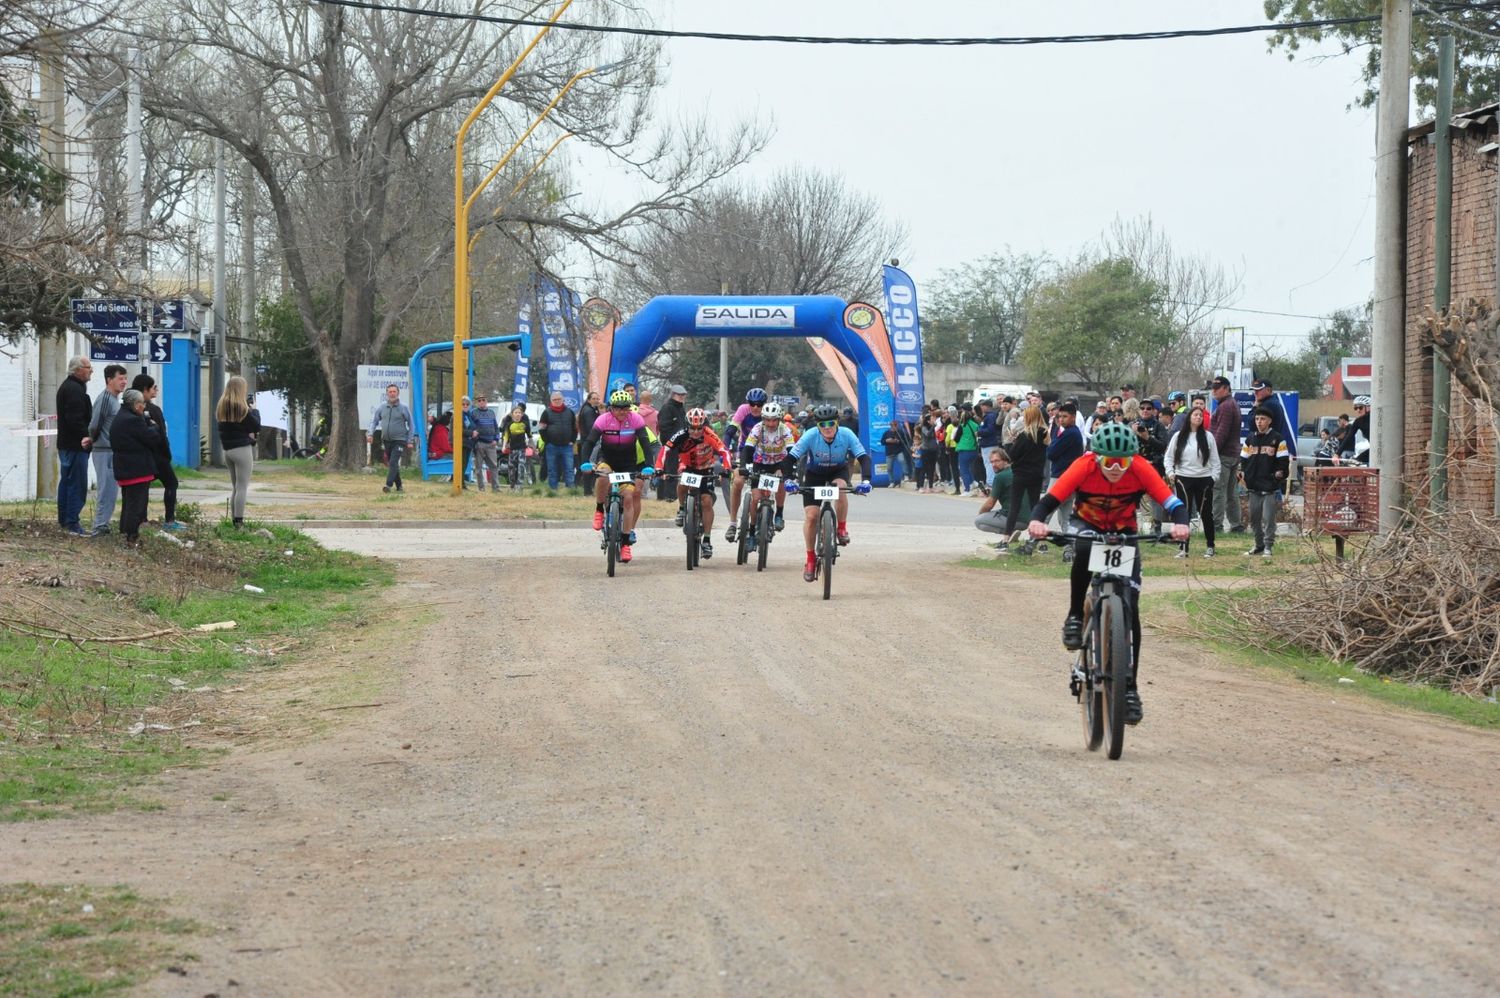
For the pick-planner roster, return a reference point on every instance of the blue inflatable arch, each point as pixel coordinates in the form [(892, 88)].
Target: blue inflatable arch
[(747, 316)]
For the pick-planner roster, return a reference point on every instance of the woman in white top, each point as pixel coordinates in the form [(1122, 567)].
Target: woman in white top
[(1192, 463)]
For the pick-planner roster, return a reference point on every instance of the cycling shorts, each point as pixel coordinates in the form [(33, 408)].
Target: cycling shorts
[(627, 459), (820, 476), (756, 470)]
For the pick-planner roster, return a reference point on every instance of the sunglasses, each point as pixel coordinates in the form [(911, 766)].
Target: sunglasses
[(1114, 463), (828, 422)]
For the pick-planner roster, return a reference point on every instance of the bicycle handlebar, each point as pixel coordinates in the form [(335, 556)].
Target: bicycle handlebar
[(1069, 536)]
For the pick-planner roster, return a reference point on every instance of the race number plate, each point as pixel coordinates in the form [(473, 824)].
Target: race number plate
[(1112, 559), (620, 477), (692, 481), (822, 492), (769, 483)]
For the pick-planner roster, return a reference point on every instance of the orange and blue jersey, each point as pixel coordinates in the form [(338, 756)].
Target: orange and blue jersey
[(1105, 505)]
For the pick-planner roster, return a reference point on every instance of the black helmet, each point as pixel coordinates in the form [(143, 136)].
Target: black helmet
[(824, 412)]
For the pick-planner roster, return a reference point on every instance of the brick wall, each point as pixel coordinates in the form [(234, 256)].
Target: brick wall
[(1472, 445)]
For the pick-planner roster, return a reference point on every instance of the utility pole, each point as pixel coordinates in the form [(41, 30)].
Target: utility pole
[(216, 380), (1442, 278), (724, 360), (1388, 418), (247, 275), (135, 181), (52, 351)]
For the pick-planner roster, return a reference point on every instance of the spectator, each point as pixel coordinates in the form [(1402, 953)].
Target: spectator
[(1264, 458), (1130, 410), (587, 413), (440, 437), (988, 435), (1356, 439), (966, 452), (1151, 438), (135, 443), (1225, 425), (1028, 461), (929, 447), (105, 408), (992, 516), (1127, 392), (75, 411), (1192, 463), (849, 420), (1066, 446), (649, 413), (486, 437), (1265, 398), (515, 440), (671, 418), (1327, 453), (466, 427), (238, 423), (558, 427), (895, 453), (396, 427), (146, 385), (1098, 418)]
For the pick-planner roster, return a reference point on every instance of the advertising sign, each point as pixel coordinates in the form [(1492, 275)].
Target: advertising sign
[(524, 308), (746, 317), (906, 343), (557, 344), (372, 379)]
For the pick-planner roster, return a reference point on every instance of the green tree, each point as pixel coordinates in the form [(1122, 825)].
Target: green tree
[(1302, 374), (1475, 28), (780, 366), (1345, 333), (977, 313), (1094, 323)]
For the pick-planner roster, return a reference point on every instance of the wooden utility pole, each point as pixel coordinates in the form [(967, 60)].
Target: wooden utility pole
[(52, 351), (1388, 416)]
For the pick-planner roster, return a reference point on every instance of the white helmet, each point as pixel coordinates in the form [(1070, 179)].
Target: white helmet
[(1363, 400), (772, 410)]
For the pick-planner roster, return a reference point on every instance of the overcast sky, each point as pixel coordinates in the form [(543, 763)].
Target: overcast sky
[(1236, 153)]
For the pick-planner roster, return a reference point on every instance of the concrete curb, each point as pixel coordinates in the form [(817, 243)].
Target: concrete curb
[(450, 524)]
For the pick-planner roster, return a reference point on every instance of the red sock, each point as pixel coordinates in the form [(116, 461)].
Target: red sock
[(844, 527)]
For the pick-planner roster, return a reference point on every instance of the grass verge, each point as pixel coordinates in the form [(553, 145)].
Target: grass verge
[(104, 679), (1293, 554), (1204, 616), (83, 940)]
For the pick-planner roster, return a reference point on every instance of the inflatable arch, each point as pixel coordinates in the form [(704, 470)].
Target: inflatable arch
[(856, 330)]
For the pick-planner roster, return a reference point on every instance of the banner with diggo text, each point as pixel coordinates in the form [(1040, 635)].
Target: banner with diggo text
[(906, 343), (557, 344), (600, 320)]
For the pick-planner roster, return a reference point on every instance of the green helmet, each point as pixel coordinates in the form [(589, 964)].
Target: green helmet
[(1113, 440)]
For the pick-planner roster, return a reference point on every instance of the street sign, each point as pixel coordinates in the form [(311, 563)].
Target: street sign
[(114, 325), (169, 315), (161, 348)]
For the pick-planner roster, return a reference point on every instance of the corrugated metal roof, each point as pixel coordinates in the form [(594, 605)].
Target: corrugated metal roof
[(1480, 117)]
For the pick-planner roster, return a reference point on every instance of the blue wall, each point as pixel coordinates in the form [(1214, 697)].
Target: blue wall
[(181, 401)]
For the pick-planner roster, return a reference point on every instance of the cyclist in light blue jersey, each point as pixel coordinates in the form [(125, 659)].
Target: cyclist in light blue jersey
[(823, 458)]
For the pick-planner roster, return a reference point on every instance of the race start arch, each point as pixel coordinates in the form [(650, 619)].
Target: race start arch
[(856, 330)]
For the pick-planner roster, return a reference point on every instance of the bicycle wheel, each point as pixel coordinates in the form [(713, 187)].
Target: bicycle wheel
[(827, 548), (612, 534), (765, 529), (743, 554), (1090, 693), (690, 529), (1114, 662)]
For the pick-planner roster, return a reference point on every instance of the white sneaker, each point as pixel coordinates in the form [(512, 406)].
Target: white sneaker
[(1266, 555), (1209, 553), (1181, 553)]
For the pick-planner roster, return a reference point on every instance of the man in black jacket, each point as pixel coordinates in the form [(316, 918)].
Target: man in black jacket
[(587, 413), (558, 428), (1264, 463), (671, 418), (74, 410)]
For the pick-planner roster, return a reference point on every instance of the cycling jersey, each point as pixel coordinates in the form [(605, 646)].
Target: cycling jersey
[(623, 442), (745, 420), (767, 446), (823, 454), (1105, 505), (700, 453)]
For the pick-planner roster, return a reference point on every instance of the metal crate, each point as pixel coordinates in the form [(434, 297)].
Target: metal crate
[(1341, 501)]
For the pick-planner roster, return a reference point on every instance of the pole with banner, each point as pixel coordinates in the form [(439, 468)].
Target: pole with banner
[(562, 361), (906, 343), (525, 309)]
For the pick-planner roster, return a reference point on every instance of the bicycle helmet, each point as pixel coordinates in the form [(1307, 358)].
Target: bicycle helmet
[(772, 411), (755, 396), (1363, 400), (1176, 396), (620, 398), (823, 413), (696, 418), (1113, 440)]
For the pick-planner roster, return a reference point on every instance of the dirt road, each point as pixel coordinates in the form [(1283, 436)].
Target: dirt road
[(716, 783)]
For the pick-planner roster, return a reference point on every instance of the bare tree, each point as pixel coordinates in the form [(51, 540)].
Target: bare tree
[(1194, 289), (347, 119)]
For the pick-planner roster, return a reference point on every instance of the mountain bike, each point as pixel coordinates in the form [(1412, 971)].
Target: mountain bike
[(769, 486), (699, 486), (826, 542), (1104, 666), (614, 518)]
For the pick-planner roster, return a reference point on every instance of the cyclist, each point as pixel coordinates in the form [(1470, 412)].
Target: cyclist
[(744, 420), (767, 450), (1108, 482), (700, 450), (619, 441), (823, 457)]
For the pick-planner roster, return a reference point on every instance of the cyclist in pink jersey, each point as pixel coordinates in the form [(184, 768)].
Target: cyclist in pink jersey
[(619, 441), (744, 420)]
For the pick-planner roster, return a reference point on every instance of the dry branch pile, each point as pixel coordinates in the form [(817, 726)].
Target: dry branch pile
[(1421, 604)]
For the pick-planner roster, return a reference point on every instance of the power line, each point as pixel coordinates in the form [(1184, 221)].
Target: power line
[(734, 36)]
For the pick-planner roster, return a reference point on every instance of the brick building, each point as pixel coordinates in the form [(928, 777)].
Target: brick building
[(1476, 233)]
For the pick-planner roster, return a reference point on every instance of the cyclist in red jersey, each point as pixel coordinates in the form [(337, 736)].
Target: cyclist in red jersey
[(698, 449), (1107, 483)]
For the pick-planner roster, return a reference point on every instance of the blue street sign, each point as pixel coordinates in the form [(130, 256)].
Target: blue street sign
[(161, 348), (168, 315), (105, 314)]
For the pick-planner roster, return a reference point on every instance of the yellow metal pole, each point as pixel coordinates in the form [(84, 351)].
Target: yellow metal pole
[(461, 315), (495, 170)]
